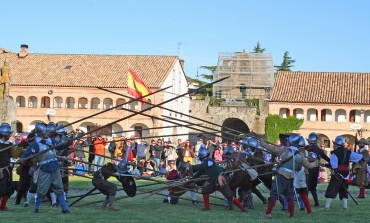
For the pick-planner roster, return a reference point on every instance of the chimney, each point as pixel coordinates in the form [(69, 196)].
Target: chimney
[(182, 63), (24, 51)]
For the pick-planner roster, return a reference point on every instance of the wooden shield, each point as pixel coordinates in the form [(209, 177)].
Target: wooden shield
[(129, 185)]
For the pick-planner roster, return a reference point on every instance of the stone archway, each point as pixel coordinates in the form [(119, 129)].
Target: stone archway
[(19, 126), (235, 124), (350, 138), (323, 139)]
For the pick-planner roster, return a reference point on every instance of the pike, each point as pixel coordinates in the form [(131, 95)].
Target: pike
[(111, 123), (90, 116)]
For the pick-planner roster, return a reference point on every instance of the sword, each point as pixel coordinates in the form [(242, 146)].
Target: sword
[(344, 188)]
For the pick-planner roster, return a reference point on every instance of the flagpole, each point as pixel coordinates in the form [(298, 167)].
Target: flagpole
[(128, 68)]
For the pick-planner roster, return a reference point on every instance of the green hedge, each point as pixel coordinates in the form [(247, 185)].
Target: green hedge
[(275, 125)]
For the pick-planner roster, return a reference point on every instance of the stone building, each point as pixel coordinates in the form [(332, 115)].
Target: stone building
[(64, 88), (331, 103)]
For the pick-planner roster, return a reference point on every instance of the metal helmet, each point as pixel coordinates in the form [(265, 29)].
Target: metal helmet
[(60, 130), (5, 129), (40, 128), (253, 143), (51, 127), (312, 138), (302, 142), (244, 143), (340, 140), (203, 152), (294, 139), (122, 166), (229, 150)]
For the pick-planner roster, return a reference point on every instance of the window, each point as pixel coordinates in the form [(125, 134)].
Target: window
[(82, 103), (146, 105), (70, 102), (133, 105), (58, 102), (355, 116), (284, 112), (107, 103), (120, 101), (32, 102), (340, 115), (45, 102), (326, 115), (312, 115), (95, 103), (298, 113), (20, 101)]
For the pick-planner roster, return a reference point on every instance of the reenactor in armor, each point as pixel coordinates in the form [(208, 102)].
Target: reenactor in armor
[(48, 175), (216, 180), (313, 174), (7, 150), (339, 163), (109, 189), (291, 161), (361, 168)]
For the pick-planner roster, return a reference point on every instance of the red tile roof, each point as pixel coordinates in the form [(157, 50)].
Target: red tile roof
[(108, 71), (321, 87)]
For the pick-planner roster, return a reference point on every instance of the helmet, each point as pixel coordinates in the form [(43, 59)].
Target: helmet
[(302, 142), (40, 128), (312, 138), (60, 130), (253, 143), (5, 129), (122, 166), (203, 152), (340, 140), (244, 143), (294, 139), (51, 127), (228, 151)]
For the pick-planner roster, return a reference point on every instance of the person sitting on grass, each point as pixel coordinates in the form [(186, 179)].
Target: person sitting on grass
[(80, 168)]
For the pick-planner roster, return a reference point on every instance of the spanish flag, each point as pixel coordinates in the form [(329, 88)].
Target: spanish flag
[(136, 86)]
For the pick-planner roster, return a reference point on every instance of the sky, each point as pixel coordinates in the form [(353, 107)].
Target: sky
[(322, 36)]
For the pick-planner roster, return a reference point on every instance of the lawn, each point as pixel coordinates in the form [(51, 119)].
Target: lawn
[(144, 208)]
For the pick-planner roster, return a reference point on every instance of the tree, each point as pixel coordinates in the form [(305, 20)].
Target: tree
[(212, 69), (286, 64), (258, 48)]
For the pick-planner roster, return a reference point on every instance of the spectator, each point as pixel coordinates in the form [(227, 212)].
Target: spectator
[(212, 147), (128, 152), (141, 150), (171, 165), (218, 154), (80, 149), (80, 168), (180, 156), (112, 148), (91, 153), (162, 167), (197, 146), (157, 152), (99, 151), (188, 151), (171, 152)]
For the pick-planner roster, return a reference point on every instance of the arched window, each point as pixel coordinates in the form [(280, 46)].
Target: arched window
[(58, 102), (133, 105), (70, 102), (20, 101), (298, 113), (340, 115), (82, 103), (326, 115), (367, 116), (312, 115), (95, 103), (284, 112), (146, 105), (32, 102), (120, 101), (107, 103), (45, 102), (355, 116)]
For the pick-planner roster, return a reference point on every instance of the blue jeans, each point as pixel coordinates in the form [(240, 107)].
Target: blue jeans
[(98, 160)]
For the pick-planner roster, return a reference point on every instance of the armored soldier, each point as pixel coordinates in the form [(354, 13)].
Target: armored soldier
[(291, 161), (361, 168), (313, 174), (216, 180), (48, 175), (100, 181), (339, 162), (6, 152)]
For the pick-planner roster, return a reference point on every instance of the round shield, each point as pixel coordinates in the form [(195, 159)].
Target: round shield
[(129, 185)]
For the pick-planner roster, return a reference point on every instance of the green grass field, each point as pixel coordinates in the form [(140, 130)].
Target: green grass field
[(144, 208)]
